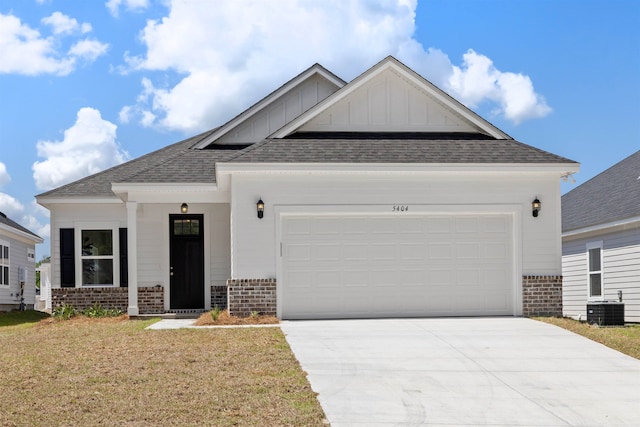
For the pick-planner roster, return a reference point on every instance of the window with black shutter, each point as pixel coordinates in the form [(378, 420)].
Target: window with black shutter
[(124, 264)]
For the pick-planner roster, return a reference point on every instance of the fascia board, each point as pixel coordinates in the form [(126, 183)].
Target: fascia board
[(48, 201), (602, 228), (419, 81), (20, 235), (255, 109), (560, 169)]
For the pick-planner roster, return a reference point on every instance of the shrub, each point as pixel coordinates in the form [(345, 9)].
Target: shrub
[(96, 310), (64, 311), (215, 313)]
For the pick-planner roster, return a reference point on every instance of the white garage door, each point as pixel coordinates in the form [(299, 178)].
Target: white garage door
[(366, 265)]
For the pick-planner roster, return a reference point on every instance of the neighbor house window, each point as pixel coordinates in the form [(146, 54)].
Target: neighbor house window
[(4, 263), (97, 257), (31, 255), (594, 253)]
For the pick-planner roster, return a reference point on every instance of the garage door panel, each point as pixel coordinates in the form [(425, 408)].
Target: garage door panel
[(373, 265)]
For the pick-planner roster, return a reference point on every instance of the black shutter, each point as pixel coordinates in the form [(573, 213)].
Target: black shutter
[(124, 259), (67, 259)]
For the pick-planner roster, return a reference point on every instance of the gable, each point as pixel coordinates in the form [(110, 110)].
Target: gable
[(389, 102)]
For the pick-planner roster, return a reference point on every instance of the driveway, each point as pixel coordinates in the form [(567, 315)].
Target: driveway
[(464, 372)]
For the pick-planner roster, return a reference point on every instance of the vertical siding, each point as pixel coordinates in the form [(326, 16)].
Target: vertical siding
[(621, 271)]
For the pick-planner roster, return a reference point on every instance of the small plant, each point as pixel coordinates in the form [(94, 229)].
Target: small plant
[(254, 314), (64, 311), (215, 313), (96, 310)]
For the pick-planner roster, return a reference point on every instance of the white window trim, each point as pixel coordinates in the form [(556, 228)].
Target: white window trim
[(115, 256), (4, 243), (595, 245)]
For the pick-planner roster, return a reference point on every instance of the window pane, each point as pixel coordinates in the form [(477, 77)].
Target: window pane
[(194, 228), (6, 276), (97, 272), (6, 252), (594, 259), (595, 285), (177, 227), (97, 242)]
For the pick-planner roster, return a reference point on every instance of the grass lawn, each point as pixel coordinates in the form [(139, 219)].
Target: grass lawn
[(624, 339), (114, 372)]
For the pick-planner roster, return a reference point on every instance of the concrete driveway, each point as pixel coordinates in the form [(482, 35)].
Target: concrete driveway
[(464, 372)]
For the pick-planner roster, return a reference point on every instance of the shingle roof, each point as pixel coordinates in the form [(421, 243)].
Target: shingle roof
[(11, 223), (176, 163), (612, 195), (390, 150)]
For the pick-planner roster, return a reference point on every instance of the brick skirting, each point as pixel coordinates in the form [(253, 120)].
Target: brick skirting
[(150, 299), (541, 296), (219, 297), (245, 296)]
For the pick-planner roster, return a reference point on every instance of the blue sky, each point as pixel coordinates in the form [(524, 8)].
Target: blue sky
[(85, 85)]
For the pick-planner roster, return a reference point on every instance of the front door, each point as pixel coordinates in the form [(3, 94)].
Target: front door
[(186, 263)]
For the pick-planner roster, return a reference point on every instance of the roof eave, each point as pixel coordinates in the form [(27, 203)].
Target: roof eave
[(21, 234), (602, 228)]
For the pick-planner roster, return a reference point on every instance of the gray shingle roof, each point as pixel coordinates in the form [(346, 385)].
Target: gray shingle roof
[(389, 150), (176, 163), (11, 223), (612, 195)]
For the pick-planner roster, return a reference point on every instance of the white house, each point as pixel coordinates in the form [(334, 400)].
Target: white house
[(601, 241), (379, 197), (17, 265)]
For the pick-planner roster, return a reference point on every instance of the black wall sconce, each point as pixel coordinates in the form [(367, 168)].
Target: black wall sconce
[(535, 207), (260, 207), (184, 208)]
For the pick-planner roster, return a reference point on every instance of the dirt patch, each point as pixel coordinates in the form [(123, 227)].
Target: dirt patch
[(224, 318)]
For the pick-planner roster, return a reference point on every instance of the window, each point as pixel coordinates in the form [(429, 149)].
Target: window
[(31, 255), (97, 257), (594, 251), (4, 263)]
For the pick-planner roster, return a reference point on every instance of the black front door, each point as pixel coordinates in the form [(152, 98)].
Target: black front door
[(186, 263)]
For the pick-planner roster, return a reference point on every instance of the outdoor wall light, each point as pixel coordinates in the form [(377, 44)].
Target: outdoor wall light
[(535, 206), (184, 208), (260, 207)]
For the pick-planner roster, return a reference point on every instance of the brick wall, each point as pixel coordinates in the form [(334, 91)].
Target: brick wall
[(245, 296), (219, 297), (541, 296), (150, 299)]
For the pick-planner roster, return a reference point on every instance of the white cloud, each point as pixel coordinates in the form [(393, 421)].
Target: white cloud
[(63, 24), (132, 5), (479, 80), (10, 206), (26, 51), (88, 49), (4, 175), (88, 147), (16, 211), (229, 56)]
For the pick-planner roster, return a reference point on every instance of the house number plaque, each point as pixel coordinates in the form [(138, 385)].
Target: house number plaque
[(400, 208)]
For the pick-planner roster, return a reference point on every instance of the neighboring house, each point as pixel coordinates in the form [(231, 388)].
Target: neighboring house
[(43, 301), (601, 240), (381, 197), (17, 265)]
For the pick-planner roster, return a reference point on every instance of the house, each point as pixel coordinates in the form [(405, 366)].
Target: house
[(381, 197), (17, 265), (601, 241)]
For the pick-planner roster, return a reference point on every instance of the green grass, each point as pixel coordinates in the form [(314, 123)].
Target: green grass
[(112, 371), (624, 339), (24, 318)]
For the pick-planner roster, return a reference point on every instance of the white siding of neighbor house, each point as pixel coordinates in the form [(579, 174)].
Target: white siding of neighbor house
[(389, 102), (620, 271), (281, 111), (10, 295), (254, 241), (152, 238)]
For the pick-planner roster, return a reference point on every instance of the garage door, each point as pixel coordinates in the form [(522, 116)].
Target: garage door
[(359, 266)]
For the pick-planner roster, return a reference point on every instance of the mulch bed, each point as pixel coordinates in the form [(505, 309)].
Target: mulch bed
[(224, 318)]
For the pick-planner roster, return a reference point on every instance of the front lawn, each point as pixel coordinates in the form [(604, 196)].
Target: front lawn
[(624, 339), (114, 372)]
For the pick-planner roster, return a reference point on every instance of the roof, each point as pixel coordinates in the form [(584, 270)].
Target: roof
[(611, 196), (395, 148), (176, 163), (4, 220)]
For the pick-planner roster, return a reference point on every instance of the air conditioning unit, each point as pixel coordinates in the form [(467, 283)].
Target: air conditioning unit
[(605, 313)]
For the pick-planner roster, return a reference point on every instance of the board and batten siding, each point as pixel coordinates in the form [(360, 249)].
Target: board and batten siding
[(254, 241), (620, 271)]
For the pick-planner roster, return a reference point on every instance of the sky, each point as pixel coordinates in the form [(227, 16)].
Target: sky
[(86, 85)]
